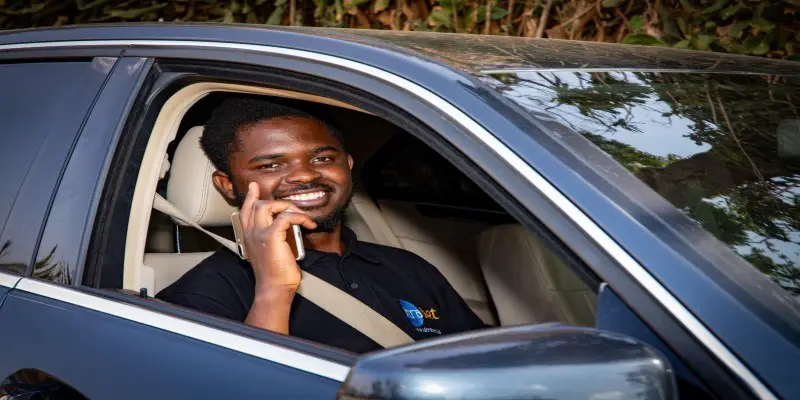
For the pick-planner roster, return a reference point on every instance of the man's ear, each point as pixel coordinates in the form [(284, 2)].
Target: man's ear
[(350, 161), (224, 184)]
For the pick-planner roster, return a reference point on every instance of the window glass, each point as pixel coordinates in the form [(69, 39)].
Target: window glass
[(42, 107), (722, 148), (406, 169)]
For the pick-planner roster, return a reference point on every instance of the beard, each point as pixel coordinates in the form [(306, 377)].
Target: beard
[(325, 223)]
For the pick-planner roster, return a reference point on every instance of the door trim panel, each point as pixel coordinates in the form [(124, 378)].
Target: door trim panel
[(8, 280)]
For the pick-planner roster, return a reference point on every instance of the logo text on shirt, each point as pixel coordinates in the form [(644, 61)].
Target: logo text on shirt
[(417, 316)]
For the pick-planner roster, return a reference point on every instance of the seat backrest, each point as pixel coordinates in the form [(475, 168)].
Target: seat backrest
[(191, 190), (449, 245), (530, 284)]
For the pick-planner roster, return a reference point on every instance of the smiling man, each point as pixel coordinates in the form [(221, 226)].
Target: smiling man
[(271, 158)]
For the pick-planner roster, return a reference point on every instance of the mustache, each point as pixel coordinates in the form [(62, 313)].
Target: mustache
[(300, 188)]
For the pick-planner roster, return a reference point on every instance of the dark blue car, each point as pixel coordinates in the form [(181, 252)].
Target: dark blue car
[(625, 218)]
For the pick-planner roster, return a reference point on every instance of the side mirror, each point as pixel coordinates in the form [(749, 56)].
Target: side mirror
[(548, 361)]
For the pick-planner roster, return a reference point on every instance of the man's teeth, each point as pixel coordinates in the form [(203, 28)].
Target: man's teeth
[(305, 196)]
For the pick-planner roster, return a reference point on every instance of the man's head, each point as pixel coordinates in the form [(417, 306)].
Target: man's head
[(290, 154)]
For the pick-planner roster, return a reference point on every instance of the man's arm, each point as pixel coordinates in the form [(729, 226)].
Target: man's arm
[(276, 272), (270, 310)]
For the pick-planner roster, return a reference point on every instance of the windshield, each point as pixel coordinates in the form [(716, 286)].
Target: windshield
[(722, 148)]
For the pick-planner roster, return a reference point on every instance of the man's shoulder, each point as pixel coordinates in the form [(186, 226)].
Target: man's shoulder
[(397, 256), (370, 248)]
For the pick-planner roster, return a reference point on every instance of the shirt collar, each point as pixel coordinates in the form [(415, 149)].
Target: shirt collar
[(351, 246)]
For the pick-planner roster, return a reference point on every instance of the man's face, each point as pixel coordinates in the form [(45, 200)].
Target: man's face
[(294, 159)]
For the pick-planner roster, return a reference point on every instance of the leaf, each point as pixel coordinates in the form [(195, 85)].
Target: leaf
[(497, 13), (710, 25), (277, 16), (738, 29), (440, 17), (381, 5), (731, 11), (703, 42), (642, 39), (683, 26), (611, 3), (228, 18), (683, 44), (761, 49), (350, 4), (762, 24), (637, 22), (719, 5), (469, 17)]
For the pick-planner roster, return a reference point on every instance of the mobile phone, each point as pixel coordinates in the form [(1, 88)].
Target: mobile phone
[(294, 237)]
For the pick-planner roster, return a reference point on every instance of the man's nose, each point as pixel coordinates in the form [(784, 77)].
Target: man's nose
[(302, 174)]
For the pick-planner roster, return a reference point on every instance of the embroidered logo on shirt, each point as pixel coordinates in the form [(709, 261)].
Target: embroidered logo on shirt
[(417, 316)]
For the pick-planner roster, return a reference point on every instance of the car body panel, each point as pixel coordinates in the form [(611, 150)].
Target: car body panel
[(105, 357)]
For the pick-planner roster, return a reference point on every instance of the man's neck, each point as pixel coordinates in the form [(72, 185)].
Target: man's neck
[(326, 242)]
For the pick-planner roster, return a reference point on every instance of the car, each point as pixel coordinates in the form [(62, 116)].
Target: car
[(624, 218)]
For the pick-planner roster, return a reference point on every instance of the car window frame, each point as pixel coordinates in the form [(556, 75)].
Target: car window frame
[(457, 137)]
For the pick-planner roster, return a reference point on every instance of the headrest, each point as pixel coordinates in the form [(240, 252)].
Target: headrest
[(190, 187)]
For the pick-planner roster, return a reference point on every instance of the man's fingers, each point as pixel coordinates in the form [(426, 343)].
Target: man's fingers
[(264, 211), (262, 215), (245, 213), (283, 221)]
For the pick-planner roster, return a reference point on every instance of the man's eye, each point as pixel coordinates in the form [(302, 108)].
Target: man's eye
[(322, 159), (269, 166)]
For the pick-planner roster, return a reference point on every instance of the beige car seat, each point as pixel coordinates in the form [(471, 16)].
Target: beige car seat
[(530, 284), (191, 190)]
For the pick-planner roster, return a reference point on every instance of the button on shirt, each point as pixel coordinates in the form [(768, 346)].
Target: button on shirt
[(396, 283)]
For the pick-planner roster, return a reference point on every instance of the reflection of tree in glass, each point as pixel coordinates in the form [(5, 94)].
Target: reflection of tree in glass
[(743, 182), (43, 269), (10, 267), (57, 272)]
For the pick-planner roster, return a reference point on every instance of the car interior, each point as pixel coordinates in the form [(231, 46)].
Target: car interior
[(406, 195)]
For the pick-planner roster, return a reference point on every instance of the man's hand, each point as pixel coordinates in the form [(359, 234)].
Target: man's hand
[(277, 274)]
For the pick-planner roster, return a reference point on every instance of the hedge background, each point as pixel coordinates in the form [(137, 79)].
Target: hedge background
[(758, 28)]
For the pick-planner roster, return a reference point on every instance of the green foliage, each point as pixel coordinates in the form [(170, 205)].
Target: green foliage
[(758, 28)]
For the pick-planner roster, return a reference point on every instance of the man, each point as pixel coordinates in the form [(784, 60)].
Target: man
[(271, 158)]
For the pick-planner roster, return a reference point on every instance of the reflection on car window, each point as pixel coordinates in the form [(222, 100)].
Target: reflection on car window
[(723, 148)]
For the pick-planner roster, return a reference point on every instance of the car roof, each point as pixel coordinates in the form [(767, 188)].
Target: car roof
[(475, 54)]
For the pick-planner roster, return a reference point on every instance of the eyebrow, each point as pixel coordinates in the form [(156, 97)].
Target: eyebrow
[(265, 157), (273, 156), (322, 149)]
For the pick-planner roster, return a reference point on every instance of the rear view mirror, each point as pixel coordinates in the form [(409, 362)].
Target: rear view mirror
[(549, 361)]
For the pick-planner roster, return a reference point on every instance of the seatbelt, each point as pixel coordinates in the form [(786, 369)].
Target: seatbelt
[(326, 296)]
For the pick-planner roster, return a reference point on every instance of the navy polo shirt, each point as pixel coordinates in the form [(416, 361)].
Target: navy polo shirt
[(396, 283)]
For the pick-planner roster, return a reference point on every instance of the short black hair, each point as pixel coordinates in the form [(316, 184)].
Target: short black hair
[(219, 138)]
